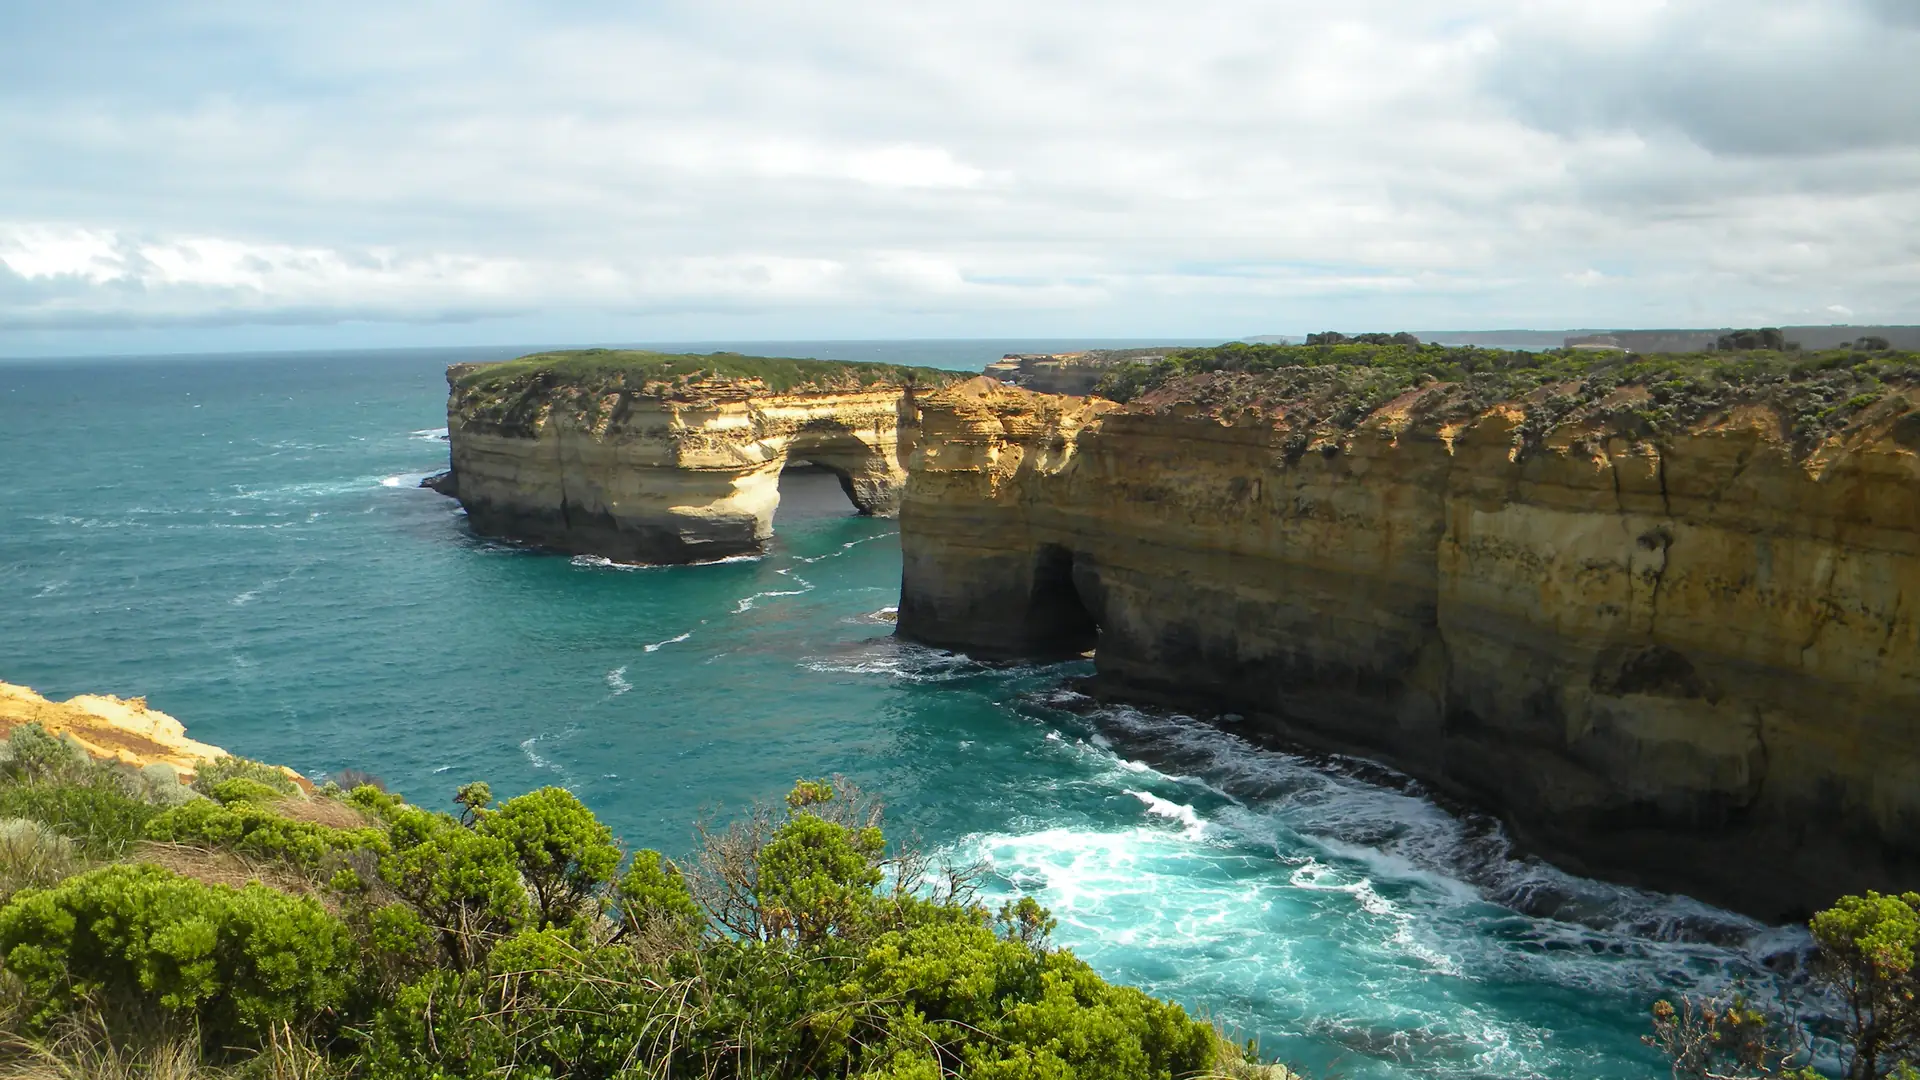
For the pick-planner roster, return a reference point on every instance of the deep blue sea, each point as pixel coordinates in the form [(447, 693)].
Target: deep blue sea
[(240, 539)]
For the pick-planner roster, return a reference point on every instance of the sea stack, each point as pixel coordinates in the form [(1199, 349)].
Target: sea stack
[(654, 458)]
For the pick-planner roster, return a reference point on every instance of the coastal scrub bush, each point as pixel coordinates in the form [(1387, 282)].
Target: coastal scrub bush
[(544, 1006), (212, 773), (1867, 952), (799, 944), (464, 884), (653, 900), (97, 811), (250, 829), (244, 789), (565, 855), (846, 974), (231, 961), (1325, 389), (31, 753)]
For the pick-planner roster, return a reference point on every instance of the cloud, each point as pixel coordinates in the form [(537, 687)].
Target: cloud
[(1770, 77), (1219, 167)]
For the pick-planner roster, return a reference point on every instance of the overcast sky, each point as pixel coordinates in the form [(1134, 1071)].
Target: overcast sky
[(188, 175)]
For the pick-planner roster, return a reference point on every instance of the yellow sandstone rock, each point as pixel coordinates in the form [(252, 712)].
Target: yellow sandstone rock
[(116, 729), (1687, 661), (682, 475)]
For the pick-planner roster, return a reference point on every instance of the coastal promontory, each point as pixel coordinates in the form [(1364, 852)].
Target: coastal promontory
[(667, 458), (1655, 612)]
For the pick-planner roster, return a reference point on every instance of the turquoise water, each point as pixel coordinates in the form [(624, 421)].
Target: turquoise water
[(240, 540)]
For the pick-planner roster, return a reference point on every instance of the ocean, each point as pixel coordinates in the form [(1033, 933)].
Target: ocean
[(241, 540)]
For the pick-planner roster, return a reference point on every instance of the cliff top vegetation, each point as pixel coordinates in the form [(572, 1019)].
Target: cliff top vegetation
[(243, 927), (638, 370), (1325, 390)]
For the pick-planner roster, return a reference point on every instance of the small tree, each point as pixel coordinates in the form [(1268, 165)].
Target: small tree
[(474, 799), (1867, 946), (464, 884), (564, 853)]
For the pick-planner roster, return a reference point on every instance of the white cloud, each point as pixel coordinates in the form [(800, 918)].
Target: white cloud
[(1222, 166)]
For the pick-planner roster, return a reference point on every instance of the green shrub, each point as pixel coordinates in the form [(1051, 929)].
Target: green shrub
[(97, 812), (1867, 952), (245, 789), (464, 884), (846, 977), (233, 961), (823, 960), (159, 783), (1326, 389), (258, 832), (576, 1011), (212, 773), (653, 899), (817, 879), (566, 856), (376, 801), (31, 753)]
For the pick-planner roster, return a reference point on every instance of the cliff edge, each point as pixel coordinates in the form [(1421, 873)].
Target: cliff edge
[(110, 728), (1655, 615), (661, 458)]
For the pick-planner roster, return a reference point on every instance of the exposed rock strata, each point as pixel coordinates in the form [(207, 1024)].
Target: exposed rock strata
[(110, 728), (1689, 661), (662, 474)]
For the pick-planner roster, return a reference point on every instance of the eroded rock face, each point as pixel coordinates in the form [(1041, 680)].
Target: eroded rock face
[(668, 477), (1688, 662)]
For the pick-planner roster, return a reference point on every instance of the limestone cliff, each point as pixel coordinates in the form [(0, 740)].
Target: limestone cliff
[(662, 459), (111, 728), (1684, 657)]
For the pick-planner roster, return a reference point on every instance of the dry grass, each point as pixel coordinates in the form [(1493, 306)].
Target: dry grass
[(33, 856), (85, 1048), (225, 868), (321, 810)]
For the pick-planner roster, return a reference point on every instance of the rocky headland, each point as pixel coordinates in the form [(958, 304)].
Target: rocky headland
[(1653, 612), (656, 458), (122, 730), (1073, 373)]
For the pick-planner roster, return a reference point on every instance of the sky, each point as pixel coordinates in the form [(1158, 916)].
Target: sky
[(187, 176)]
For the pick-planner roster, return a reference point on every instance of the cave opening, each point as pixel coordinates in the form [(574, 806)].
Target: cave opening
[(809, 491), (1059, 620)]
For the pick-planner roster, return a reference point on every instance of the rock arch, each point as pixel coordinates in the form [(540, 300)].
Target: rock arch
[(655, 479)]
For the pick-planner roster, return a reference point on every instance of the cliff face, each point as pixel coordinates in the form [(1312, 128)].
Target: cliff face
[(1687, 661), (663, 473)]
